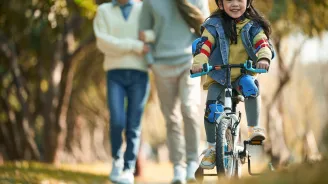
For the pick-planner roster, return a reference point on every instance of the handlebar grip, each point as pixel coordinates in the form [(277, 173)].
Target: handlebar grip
[(249, 66), (206, 68), (198, 74), (258, 70)]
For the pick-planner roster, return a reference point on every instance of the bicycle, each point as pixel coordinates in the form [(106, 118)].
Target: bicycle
[(229, 156)]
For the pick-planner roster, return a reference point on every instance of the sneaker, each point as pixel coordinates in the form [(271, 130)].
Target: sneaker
[(191, 169), (256, 134), (117, 168), (208, 161), (179, 175), (127, 177)]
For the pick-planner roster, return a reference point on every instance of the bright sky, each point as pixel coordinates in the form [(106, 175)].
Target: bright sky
[(315, 49)]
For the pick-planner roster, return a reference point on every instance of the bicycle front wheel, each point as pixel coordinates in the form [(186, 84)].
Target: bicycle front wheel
[(225, 162)]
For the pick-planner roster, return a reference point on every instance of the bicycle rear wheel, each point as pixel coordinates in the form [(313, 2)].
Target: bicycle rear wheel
[(225, 162)]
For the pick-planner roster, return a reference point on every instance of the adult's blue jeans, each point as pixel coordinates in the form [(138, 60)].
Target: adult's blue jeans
[(132, 85)]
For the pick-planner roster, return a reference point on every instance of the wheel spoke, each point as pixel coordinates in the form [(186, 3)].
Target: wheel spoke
[(225, 157)]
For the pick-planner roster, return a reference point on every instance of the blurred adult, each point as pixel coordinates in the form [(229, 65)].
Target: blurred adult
[(116, 30), (176, 23)]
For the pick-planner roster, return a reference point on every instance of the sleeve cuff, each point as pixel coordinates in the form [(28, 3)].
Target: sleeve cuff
[(137, 46), (265, 58), (149, 36), (265, 53)]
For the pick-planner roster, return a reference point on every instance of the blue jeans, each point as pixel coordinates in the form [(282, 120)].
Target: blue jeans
[(132, 85)]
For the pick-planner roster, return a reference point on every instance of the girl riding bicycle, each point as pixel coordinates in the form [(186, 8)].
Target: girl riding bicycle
[(235, 32)]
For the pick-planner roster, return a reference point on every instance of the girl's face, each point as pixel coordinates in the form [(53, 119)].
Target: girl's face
[(234, 8)]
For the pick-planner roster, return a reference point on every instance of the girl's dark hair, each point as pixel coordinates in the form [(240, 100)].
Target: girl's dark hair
[(191, 14), (229, 24)]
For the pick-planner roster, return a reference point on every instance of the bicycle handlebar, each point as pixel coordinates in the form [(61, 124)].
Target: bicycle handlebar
[(207, 68)]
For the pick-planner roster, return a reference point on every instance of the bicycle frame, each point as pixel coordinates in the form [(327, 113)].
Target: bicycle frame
[(229, 114)]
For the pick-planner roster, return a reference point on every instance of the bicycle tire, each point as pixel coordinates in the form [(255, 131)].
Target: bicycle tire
[(238, 163), (223, 136)]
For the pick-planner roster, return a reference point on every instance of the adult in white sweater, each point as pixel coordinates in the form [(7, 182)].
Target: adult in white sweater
[(116, 30)]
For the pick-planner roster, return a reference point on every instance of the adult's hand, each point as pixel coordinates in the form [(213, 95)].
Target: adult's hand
[(142, 36)]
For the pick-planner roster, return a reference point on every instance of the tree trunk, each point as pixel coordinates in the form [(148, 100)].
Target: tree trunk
[(52, 129), (139, 170), (310, 149), (2, 151), (9, 134), (62, 82), (276, 145), (26, 147), (139, 162)]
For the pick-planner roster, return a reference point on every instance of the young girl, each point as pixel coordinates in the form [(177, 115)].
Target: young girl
[(232, 34)]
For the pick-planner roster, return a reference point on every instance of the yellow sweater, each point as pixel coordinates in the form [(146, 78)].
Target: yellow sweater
[(237, 52)]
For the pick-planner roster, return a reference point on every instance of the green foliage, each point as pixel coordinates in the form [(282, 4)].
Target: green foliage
[(309, 17), (289, 16), (89, 7), (45, 38), (279, 8)]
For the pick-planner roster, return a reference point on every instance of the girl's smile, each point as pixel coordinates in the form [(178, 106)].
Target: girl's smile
[(234, 8)]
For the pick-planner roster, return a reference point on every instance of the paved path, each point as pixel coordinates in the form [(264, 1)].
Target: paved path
[(162, 173), (159, 174)]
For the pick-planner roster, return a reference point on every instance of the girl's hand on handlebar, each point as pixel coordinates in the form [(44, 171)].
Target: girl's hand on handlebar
[(263, 64), (197, 68)]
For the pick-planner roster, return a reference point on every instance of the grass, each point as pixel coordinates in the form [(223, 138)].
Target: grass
[(39, 173)]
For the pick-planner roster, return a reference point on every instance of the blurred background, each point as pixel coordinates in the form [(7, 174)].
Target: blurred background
[(52, 93)]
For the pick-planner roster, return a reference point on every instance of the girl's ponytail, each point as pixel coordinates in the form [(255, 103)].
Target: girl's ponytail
[(191, 14)]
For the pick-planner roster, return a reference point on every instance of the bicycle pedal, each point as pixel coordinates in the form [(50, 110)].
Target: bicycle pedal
[(255, 142)]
